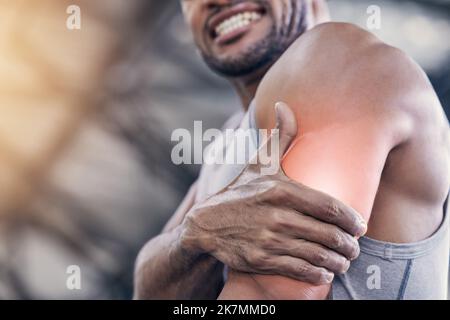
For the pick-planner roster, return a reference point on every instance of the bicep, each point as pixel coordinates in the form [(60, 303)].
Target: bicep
[(342, 160)]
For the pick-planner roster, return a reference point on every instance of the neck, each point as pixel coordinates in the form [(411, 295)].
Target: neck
[(247, 86)]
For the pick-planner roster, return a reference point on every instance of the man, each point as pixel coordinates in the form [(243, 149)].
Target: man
[(362, 125)]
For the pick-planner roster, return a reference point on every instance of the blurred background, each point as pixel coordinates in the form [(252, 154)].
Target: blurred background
[(85, 123)]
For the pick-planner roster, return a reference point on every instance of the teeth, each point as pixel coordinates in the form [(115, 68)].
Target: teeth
[(237, 21)]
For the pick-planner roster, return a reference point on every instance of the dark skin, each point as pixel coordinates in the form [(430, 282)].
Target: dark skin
[(186, 260), (236, 228), (282, 22), (372, 134)]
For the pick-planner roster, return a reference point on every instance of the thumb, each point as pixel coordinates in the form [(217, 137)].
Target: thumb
[(271, 152), (286, 123)]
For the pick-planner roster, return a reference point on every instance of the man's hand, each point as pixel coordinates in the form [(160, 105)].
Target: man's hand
[(274, 225)]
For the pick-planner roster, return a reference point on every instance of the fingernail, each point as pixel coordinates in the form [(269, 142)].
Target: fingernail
[(277, 113), (346, 265), (279, 105), (363, 230), (356, 251), (328, 277)]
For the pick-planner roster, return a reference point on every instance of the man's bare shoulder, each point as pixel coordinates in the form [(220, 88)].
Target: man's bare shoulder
[(338, 71)]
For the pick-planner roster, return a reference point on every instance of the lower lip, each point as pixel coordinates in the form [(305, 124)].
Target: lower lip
[(234, 35)]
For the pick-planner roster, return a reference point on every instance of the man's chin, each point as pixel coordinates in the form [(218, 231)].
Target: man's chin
[(237, 66), (243, 57), (235, 50)]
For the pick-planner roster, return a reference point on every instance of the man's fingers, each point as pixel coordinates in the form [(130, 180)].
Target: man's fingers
[(301, 270), (313, 253), (291, 223), (325, 208)]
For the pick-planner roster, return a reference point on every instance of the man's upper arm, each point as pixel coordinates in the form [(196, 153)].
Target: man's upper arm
[(344, 160), (350, 110), (347, 128), (355, 100)]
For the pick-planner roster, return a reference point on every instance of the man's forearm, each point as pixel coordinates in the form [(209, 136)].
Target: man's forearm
[(167, 270)]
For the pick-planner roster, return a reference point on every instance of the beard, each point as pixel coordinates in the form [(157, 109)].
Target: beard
[(263, 53)]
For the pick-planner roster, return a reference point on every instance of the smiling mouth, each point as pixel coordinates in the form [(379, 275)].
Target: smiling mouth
[(233, 23)]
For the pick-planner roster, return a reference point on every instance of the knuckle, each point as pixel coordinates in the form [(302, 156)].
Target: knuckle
[(267, 239), (336, 240), (303, 269), (193, 220), (189, 220), (333, 211), (251, 258), (321, 258), (277, 218), (276, 190), (258, 259), (270, 184)]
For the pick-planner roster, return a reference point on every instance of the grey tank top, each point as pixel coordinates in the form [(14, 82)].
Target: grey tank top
[(383, 270)]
